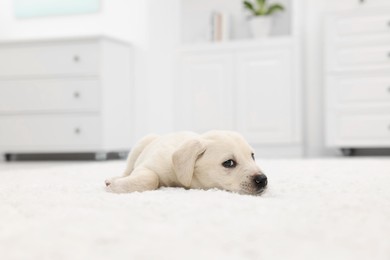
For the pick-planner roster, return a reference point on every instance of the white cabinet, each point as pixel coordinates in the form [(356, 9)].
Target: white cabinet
[(205, 94), (245, 86), (265, 96), (66, 95), (357, 79)]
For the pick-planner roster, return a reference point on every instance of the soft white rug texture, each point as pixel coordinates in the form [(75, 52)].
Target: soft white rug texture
[(313, 209)]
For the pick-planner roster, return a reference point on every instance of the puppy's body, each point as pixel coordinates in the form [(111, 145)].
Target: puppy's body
[(157, 156), (216, 159)]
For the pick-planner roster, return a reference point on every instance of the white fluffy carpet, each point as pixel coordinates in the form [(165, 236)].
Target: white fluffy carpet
[(314, 209)]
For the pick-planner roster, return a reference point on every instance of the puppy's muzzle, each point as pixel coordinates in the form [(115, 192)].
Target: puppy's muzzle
[(260, 181)]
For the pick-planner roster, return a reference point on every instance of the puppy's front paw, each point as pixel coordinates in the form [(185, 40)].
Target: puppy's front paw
[(110, 181), (114, 185)]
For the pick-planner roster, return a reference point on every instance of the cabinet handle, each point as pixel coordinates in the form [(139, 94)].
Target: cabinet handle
[(77, 130), (76, 94), (76, 58)]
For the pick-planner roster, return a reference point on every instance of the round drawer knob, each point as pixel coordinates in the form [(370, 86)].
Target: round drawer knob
[(76, 94), (76, 58), (77, 130)]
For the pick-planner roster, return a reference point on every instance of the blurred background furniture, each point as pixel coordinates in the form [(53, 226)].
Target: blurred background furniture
[(71, 95), (251, 85), (357, 79)]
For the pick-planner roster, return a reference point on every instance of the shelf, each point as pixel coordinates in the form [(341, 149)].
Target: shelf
[(246, 43)]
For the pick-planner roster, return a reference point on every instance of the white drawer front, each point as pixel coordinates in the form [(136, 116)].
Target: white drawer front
[(365, 127), (49, 95), (378, 56), (363, 25), (49, 59), (361, 90), (49, 131)]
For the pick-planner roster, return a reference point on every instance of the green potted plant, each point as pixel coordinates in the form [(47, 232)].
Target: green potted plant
[(261, 14)]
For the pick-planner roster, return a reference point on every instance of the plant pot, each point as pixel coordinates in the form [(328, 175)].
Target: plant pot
[(260, 26)]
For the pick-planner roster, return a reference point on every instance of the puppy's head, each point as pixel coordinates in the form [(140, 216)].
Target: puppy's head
[(219, 159)]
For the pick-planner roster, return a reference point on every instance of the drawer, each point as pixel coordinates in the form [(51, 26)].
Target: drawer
[(360, 90), (49, 95), (358, 57), (49, 131), (365, 127), (363, 25), (38, 59)]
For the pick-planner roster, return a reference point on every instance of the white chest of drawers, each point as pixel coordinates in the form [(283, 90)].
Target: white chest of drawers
[(357, 73), (66, 95)]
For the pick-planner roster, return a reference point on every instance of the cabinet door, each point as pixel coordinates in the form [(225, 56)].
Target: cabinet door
[(204, 94), (267, 108), (358, 111)]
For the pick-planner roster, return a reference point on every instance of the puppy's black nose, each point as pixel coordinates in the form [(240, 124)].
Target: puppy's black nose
[(260, 181)]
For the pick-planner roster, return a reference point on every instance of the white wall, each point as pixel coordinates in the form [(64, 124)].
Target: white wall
[(313, 58), (163, 29), (122, 18)]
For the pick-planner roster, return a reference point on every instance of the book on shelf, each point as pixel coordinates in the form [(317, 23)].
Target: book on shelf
[(220, 26)]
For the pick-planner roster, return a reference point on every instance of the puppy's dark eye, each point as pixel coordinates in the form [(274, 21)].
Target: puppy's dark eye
[(253, 156), (229, 164)]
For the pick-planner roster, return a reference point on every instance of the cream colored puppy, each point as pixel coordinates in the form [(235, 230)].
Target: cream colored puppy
[(216, 159)]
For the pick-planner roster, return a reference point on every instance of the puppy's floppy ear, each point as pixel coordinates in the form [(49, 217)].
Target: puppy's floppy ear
[(184, 159)]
